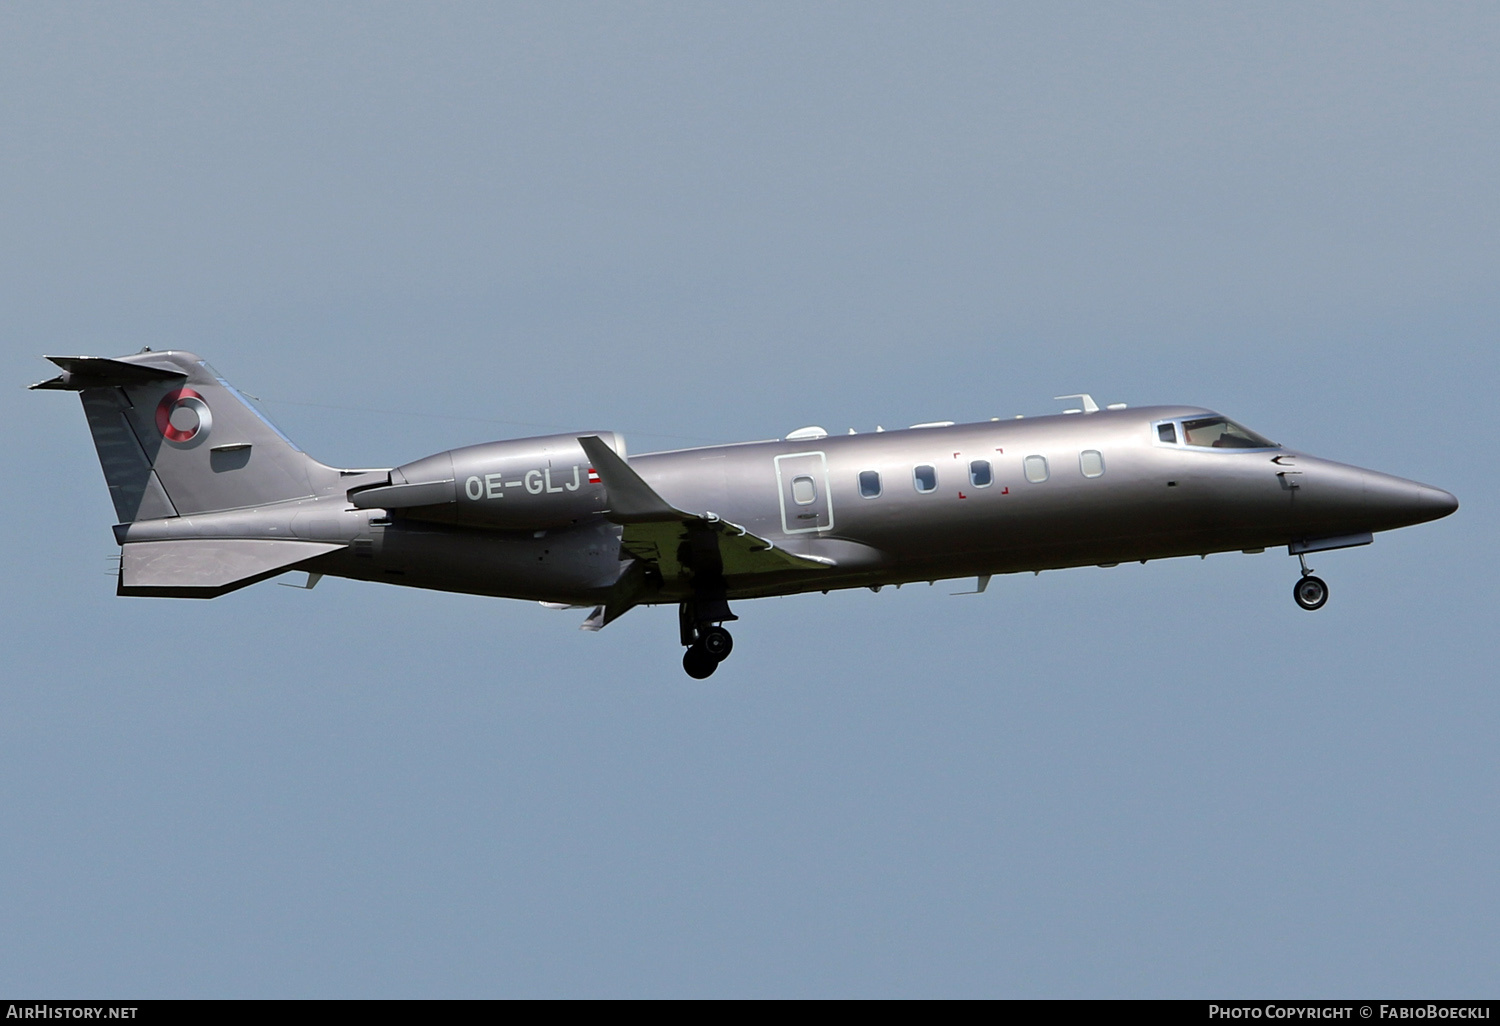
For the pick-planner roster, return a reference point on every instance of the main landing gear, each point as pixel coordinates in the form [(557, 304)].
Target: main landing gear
[(1310, 592), (708, 643)]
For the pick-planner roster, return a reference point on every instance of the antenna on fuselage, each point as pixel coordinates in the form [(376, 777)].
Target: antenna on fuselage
[(1089, 406)]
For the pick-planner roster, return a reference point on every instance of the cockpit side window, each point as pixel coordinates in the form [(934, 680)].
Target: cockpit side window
[(1167, 433), (1222, 433)]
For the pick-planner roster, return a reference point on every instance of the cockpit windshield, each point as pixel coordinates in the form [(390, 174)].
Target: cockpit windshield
[(1222, 433)]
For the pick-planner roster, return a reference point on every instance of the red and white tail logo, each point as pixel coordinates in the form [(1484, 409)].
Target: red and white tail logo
[(593, 476), (183, 418)]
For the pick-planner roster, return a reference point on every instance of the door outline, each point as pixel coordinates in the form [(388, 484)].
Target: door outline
[(823, 499)]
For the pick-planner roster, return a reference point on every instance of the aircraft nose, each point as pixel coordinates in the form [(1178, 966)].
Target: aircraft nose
[(1436, 501), (1406, 502)]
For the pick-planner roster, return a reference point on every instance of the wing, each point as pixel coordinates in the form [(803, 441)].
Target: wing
[(674, 542), (670, 545)]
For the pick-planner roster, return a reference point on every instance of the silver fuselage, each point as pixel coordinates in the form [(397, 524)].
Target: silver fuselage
[(1144, 500)]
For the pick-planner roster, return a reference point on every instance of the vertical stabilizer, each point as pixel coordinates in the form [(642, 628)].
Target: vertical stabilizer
[(175, 439)]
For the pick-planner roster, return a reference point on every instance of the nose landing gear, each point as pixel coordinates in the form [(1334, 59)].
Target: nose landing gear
[(708, 643), (1310, 592)]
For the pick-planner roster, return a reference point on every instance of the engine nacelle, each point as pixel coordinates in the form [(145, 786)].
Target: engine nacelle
[(520, 484)]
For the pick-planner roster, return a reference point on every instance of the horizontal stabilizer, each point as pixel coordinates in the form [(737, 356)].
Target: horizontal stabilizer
[(81, 372), (206, 568)]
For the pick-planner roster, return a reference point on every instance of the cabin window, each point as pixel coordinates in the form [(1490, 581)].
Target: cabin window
[(1036, 469), (980, 475), (803, 492), (869, 483), (1091, 462), (925, 478), (1167, 433)]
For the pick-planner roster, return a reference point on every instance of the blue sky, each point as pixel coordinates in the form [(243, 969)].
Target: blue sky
[(411, 228)]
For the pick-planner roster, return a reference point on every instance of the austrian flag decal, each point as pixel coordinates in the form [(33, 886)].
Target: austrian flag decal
[(593, 476)]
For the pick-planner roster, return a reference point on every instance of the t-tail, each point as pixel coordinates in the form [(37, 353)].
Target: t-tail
[(182, 450)]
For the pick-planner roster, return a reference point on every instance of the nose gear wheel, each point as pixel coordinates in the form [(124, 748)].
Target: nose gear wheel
[(1310, 592)]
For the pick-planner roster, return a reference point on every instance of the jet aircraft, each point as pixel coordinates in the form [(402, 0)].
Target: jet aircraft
[(210, 497)]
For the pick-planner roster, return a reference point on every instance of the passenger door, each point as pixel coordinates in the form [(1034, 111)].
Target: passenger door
[(802, 478)]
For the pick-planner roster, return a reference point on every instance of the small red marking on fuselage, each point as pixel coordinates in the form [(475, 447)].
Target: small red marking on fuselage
[(961, 495), (1005, 490)]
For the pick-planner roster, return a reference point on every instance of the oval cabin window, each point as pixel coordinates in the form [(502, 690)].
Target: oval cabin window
[(1091, 462), (1036, 469)]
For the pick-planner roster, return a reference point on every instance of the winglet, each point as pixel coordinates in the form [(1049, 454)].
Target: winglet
[(631, 500)]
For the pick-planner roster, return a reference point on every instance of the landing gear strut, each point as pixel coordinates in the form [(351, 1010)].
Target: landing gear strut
[(1310, 592), (708, 643)]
